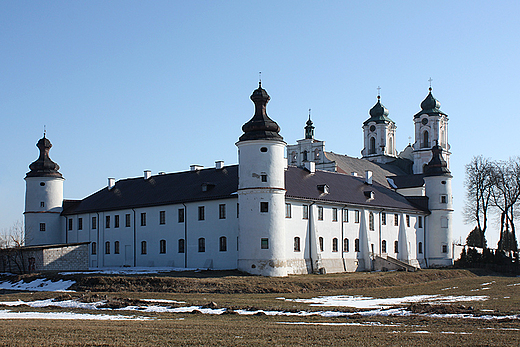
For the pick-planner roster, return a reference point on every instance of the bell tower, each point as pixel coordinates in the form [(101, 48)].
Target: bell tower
[(44, 199)]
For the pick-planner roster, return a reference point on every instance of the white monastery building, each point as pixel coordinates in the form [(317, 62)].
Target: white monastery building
[(284, 209)]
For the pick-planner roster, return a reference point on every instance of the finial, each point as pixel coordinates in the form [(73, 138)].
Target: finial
[(260, 78), (378, 92), (430, 80), (409, 140), (44, 130), (309, 114)]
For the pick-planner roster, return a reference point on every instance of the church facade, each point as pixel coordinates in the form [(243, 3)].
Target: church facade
[(281, 210)]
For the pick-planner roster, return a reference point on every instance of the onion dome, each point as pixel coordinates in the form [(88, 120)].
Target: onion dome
[(378, 113), (309, 128), (260, 127), (430, 106), (437, 165), (44, 166)]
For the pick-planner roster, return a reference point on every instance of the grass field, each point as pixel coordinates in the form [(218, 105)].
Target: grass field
[(257, 311)]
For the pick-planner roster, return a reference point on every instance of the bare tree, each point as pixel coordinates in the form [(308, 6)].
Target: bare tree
[(12, 240), (479, 187)]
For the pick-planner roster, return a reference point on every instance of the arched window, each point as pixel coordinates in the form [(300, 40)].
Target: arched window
[(162, 246), (316, 153), (202, 244), (296, 244), (94, 248), (391, 145), (107, 247), (425, 140), (383, 246), (321, 243), (143, 247), (304, 155), (345, 245), (372, 146), (396, 246), (222, 244), (371, 221), (293, 157), (420, 247), (334, 244), (116, 247), (356, 245), (181, 246)]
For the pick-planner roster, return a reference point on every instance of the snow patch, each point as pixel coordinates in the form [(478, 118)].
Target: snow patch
[(38, 285)]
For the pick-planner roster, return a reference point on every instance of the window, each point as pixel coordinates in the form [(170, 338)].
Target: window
[(143, 219), (334, 214), (263, 149), (42, 226), (345, 245), (162, 246), (94, 222), (408, 220), (383, 246), (396, 246), (181, 246), (420, 248), (296, 244), (107, 222), (116, 221), (94, 248), (238, 209), (444, 248), (222, 244), (304, 155), (127, 220), (320, 240), (143, 247), (356, 245), (70, 224), (444, 199), (264, 206), (180, 216), (396, 219), (320, 212), (162, 217), (202, 244), (264, 243), (201, 213), (263, 177), (356, 216), (288, 210), (42, 204), (345, 216), (372, 146), (80, 223), (116, 247), (371, 221), (383, 218), (316, 153), (222, 211), (419, 221), (107, 247), (305, 212), (334, 244), (425, 140)]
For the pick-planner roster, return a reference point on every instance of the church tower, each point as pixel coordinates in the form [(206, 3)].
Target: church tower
[(261, 193), (379, 135), (438, 237), (43, 199), (431, 127)]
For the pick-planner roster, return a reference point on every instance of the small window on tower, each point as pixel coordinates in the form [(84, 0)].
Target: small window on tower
[(42, 184), (264, 243), (264, 206), (444, 199), (42, 204), (263, 177), (42, 226), (263, 149)]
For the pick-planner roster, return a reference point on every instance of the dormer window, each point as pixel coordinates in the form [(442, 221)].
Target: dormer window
[(207, 186), (323, 188), (369, 194)]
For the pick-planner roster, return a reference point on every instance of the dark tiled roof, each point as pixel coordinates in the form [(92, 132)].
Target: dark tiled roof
[(343, 188), (186, 186), (408, 181)]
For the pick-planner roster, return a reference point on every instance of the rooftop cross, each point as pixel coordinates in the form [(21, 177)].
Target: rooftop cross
[(430, 80)]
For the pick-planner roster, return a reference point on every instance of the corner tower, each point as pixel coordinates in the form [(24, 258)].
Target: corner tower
[(261, 193), (438, 237), (43, 199), (379, 135), (431, 127)]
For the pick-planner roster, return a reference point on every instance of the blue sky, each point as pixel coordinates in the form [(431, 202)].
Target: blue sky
[(125, 86)]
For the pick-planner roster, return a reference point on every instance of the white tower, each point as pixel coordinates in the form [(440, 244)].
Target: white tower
[(261, 193), (438, 238), (44, 199), (379, 135), (431, 127)]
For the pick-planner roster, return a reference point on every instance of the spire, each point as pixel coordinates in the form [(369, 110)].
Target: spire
[(260, 127), (378, 113), (430, 105), (437, 165), (44, 166), (309, 128)]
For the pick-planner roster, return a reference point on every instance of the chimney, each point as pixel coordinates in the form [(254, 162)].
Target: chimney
[(111, 183), (219, 164), (353, 173), (368, 177), (310, 166), (161, 173), (196, 167), (147, 174)]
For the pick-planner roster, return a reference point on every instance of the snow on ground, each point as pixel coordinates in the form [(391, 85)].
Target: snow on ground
[(131, 271), (38, 285), (7, 314)]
